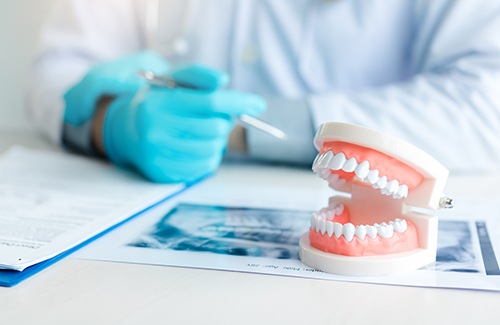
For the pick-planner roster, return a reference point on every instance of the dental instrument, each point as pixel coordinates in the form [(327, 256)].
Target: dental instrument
[(245, 119)]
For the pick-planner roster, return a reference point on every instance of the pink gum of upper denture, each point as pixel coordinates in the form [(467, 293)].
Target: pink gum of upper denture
[(386, 165)]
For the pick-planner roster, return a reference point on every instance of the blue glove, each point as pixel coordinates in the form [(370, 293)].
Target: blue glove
[(176, 135), (109, 79)]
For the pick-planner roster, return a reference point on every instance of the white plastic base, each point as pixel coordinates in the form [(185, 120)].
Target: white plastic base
[(364, 265)]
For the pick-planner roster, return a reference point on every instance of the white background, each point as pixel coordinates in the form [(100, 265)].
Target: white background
[(20, 23)]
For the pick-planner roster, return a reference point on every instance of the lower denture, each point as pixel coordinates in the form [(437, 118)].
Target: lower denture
[(338, 244), (398, 243)]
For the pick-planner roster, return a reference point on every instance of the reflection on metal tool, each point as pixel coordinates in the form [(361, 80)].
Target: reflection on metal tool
[(168, 82)]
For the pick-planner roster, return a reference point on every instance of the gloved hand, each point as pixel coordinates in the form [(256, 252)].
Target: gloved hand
[(114, 78), (175, 135)]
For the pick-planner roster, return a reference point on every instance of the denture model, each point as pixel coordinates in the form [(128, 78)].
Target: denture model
[(376, 230)]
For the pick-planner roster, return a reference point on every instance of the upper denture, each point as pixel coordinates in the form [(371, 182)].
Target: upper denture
[(349, 157)]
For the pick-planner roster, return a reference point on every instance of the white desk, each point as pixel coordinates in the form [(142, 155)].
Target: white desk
[(76, 291)]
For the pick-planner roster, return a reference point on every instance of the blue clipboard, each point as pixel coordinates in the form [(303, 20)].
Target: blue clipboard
[(9, 278)]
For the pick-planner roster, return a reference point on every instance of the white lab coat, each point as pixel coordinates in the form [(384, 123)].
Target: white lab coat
[(427, 71)]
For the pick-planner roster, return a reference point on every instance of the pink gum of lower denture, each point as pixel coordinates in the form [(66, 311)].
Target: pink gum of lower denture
[(398, 243)]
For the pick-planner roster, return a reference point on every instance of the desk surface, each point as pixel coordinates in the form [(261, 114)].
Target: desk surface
[(89, 292)]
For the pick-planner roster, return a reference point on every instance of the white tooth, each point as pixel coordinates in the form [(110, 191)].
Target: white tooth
[(340, 182), (350, 165), (322, 226), (329, 228), (330, 214), (385, 231), (400, 225), (385, 191), (316, 223), (324, 173), (392, 186), (338, 161), (325, 159), (381, 183), (397, 226), (402, 192), (332, 178), (314, 166), (339, 209), (348, 231), (363, 169), (371, 231), (372, 176), (360, 232), (337, 229), (313, 220)]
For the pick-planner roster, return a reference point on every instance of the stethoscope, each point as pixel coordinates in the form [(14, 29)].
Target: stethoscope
[(176, 45)]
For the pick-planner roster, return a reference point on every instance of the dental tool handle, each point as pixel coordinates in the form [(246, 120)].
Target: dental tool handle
[(245, 119), (263, 126)]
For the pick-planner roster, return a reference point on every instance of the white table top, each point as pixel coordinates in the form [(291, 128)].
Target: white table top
[(74, 291)]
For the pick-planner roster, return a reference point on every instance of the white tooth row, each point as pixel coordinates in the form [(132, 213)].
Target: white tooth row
[(325, 162), (333, 210), (384, 230)]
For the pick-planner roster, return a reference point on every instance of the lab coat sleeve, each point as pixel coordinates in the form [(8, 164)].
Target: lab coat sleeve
[(77, 35), (451, 106), (297, 149)]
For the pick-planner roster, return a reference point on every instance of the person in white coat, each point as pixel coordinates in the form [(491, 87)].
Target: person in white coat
[(426, 71)]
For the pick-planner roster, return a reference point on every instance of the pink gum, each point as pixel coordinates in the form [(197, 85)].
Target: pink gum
[(398, 243), (386, 165)]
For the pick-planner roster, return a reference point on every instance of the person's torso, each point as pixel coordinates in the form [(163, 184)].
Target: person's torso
[(294, 48)]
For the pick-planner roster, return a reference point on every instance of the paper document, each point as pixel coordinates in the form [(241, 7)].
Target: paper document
[(53, 201), (247, 228)]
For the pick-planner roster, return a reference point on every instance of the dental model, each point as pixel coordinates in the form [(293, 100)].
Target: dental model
[(375, 231)]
